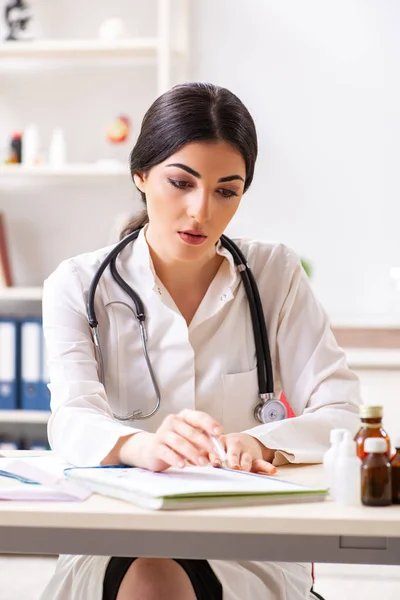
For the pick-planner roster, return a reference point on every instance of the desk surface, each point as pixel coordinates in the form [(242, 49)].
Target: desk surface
[(317, 518), (102, 525)]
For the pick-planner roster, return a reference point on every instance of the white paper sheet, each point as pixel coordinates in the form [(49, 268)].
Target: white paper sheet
[(190, 480), (48, 471)]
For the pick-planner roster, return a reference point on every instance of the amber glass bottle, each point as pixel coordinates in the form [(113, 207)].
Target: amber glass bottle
[(371, 426), (376, 480), (395, 462)]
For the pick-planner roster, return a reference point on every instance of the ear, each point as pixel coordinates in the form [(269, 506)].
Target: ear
[(139, 179)]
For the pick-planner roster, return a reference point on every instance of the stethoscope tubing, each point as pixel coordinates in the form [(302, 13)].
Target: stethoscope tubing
[(263, 355), (265, 382)]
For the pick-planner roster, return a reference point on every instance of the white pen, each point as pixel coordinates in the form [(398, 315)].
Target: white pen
[(219, 450)]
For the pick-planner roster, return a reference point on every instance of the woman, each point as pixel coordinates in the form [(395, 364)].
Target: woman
[(192, 163)]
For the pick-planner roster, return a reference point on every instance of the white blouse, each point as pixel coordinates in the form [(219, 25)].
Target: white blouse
[(208, 366)]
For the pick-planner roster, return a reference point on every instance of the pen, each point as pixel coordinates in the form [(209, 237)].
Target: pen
[(219, 450)]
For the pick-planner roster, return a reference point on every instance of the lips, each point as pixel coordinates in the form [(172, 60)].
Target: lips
[(192, 237), (193, 232)]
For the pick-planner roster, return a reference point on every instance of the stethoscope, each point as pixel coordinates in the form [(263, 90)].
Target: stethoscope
[(269, 408)]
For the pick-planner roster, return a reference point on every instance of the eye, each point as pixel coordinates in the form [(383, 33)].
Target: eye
[(226, 193), (180, 184)]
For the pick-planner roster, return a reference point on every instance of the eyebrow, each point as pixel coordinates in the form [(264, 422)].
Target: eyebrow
[(196, 174)]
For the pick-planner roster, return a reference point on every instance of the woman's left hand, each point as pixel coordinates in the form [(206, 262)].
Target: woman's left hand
[(245, 453)]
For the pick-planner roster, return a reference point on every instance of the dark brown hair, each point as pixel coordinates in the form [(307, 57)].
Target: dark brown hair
[(191, 112)]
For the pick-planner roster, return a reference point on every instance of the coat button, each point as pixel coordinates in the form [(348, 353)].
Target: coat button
[(223, 298)]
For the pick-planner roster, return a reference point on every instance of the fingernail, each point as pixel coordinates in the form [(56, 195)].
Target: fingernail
[(217, 463), (181, 464), (217, 430), (202, 461)]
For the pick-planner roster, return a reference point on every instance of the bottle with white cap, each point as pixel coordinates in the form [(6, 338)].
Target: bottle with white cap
[(330, 458), (348, 473), (58, 149), (30, 145), (376, 476)]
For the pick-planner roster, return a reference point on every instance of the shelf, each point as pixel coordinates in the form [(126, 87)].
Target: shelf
[(24, 416), (102, 170), (80, 49), (373, 358), (21, 293)]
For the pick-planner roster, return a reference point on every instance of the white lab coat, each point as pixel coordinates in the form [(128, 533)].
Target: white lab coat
[(208, 366)]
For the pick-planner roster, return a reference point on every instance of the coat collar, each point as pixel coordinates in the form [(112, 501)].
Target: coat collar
[(138, 269)]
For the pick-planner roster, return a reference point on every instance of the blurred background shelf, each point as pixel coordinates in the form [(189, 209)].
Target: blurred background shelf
[(67, 78), (69, 170), (21, 293), (80, 49), (24, 416)]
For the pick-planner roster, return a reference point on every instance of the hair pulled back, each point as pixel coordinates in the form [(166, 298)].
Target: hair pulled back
[(191, 112)]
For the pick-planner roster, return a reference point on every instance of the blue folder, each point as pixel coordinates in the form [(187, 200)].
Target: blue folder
[(34, 394), (8, 364)]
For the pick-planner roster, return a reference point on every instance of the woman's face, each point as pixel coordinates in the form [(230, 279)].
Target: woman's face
[(191, 198)]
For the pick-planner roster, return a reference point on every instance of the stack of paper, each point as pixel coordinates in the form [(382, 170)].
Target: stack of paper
[(37, 478), (192, 487)]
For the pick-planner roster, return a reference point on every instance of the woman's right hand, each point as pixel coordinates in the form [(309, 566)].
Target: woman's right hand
[(182, 438)]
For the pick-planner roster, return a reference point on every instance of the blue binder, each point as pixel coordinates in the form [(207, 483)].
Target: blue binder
[(32, 397), (44, 378), (8, 364)]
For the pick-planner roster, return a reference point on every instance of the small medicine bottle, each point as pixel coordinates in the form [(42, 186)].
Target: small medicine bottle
[(371, 427), (395, 462), (376, 480), (15, 148), (330, 458), (347, 473)]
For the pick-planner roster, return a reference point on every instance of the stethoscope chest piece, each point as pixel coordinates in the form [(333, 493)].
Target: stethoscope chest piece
[(270, 411)]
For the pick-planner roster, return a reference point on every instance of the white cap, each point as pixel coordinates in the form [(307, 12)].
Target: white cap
[(375, 445), (336, 435), (348, 446)]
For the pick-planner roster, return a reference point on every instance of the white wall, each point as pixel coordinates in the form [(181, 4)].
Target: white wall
[(322, 82)]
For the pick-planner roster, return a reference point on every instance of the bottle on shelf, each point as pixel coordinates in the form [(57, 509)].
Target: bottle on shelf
[(58, 149), (376, 481), (30, 146), (347, 478), (371, 427), (15, 154), (395, 463)]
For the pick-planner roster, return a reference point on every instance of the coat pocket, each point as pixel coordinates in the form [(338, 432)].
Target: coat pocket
[(240, 392)]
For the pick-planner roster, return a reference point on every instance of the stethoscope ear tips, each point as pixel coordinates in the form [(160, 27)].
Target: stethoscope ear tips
[(270, 411)]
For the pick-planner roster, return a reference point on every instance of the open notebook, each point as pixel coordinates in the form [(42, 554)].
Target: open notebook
[(192, 487)]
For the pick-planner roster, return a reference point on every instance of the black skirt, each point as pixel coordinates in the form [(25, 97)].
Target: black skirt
[(203, 579)]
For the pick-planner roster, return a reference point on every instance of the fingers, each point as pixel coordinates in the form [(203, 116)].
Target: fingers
[(169, 456), (184, 448), (246, 462), (234, 452), (182, 438), (214, 460), (201, 420), (263, 467), (196, 436)]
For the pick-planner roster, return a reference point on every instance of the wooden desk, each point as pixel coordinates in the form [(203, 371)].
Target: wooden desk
[(319, 532)]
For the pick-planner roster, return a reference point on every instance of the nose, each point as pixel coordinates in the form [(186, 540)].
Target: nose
[(199, 207)]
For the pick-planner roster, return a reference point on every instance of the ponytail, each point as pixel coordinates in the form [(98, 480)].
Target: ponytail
[(136, 223)]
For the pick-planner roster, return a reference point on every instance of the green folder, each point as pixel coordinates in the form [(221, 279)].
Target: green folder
[(192, 487)]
